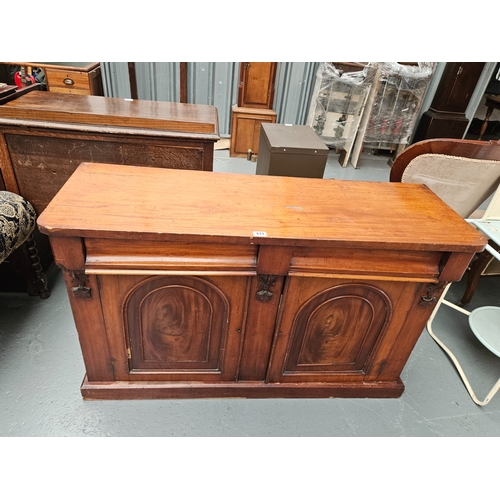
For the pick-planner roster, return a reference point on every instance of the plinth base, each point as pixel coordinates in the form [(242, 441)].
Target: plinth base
[(250, 390)]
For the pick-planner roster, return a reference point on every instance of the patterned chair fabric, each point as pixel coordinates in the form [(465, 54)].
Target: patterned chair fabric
[(17, 222)]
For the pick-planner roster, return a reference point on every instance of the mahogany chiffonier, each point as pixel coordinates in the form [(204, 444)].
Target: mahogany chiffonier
[(44, 136), (187, 284)]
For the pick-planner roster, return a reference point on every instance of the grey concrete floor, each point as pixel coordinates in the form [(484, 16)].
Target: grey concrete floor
[(41, 370)]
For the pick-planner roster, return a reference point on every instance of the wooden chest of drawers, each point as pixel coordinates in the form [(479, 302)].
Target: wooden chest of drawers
[(82, 78), (200, 284), (74, 80)]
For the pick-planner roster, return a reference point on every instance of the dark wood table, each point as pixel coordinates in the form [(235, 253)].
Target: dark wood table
[(189, 284), (44, 136)]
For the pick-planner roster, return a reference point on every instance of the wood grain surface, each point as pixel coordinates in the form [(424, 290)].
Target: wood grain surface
[(108, 111), (178, 205)]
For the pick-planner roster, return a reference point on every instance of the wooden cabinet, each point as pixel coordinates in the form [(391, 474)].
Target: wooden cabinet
[(256, 84), (255, 100), (456, 86), (446, 115), (250, 288), (45, 136), (245, 129), (259, 286)]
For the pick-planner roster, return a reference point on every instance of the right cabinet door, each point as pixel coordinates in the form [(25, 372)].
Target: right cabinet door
[(334, 330)]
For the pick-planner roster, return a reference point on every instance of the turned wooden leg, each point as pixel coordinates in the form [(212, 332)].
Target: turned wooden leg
[(484, 126), (475, 272), (27, 263)]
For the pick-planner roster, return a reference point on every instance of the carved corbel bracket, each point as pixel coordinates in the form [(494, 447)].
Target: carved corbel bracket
[(80, 280), (432, 292), (266, 281)]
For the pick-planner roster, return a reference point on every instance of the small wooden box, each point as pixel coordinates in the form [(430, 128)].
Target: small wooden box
[(291, 150), (245, 129)]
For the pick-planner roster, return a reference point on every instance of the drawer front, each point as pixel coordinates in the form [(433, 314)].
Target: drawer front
[(116, 256), (389, 265), (69, 82)]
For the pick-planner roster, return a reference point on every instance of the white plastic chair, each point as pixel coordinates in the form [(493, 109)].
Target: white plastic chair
[(483, 321)]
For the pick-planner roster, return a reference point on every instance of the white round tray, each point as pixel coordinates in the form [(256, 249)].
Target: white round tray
[(485, 323)]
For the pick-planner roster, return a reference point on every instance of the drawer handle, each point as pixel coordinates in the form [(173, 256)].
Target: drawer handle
[(68, 81)]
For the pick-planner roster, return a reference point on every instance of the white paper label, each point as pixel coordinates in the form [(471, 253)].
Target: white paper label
[(259, 233)]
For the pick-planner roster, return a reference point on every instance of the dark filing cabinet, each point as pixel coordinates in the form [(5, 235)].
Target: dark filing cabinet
[(291, 150)]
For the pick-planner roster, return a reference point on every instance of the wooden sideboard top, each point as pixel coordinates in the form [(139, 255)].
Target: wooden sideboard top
[(109, 201), (112, 111)]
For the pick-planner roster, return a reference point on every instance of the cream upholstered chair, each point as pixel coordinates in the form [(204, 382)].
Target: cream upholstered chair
[(464, 174)]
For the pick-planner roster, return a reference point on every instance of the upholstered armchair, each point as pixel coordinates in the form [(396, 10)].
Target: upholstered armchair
[(464, 174), (17, 223)]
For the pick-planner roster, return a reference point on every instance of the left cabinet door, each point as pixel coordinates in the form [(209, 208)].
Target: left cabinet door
[(175, 328)]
